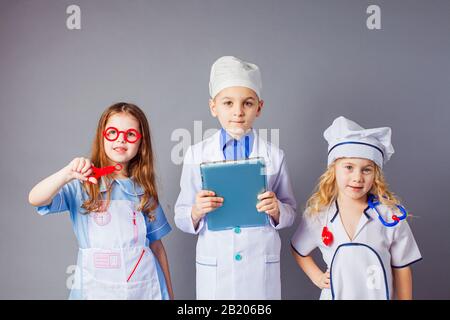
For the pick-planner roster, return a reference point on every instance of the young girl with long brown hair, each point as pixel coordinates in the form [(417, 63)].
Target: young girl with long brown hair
[(113, 203)]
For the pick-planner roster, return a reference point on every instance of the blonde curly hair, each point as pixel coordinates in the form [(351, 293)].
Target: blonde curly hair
[(326, 190)]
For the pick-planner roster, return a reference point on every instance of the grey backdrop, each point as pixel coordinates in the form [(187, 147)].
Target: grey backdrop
[(318, 61)]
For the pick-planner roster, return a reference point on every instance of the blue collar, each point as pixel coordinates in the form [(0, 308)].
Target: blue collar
[(246, 140), (126, 185)]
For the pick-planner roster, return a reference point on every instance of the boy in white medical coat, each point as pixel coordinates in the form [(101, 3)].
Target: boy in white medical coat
[(239, 263)]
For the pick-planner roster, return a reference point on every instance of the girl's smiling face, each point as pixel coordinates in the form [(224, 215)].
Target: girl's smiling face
[(354, 177), (121, 151), (236, 108)]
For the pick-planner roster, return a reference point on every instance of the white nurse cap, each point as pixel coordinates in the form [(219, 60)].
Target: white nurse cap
[(348, 139), (229, 71)]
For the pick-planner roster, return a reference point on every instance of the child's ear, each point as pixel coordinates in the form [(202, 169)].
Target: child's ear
[(212, 107), (260, 106)]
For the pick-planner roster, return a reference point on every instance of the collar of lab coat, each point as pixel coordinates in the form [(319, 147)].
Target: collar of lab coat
[(124, 184)]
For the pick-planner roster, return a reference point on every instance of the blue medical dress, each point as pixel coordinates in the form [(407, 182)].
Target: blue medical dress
[(71, 197)]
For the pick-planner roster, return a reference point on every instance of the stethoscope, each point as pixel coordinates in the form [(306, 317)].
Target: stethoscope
[(372, 202)]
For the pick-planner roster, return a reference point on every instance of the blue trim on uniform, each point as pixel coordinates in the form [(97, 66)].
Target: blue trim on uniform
[(351, 244), (234, 149), (292, 246), (336, 213), (354, 142), (406, 265), (366, 214), (158, 233)]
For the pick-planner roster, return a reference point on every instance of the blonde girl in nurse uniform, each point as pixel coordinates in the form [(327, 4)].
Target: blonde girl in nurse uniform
[(356, 222)]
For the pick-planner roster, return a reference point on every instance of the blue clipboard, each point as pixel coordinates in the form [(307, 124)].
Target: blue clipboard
[(239, 183)]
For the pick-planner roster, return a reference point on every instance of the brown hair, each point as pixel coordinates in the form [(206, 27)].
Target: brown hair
[(326, 190), (141, 167)]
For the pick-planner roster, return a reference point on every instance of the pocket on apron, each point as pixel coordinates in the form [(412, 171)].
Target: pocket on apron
[(128, 273), (206, 280), (357, 272), (143, 290), (95, 289), (142, 279)]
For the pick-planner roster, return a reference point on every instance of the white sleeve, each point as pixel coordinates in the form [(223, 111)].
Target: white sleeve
[(190, 184), (305, 238), (286, 199), (404, 249)]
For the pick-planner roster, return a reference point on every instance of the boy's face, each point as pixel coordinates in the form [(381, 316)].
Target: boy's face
[(354, 177), (236, 108)]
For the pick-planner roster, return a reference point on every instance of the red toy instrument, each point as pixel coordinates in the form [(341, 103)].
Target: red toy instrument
[(100, 172)]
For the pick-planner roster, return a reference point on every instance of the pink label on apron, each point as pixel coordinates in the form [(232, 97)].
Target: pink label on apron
[(107, 260)]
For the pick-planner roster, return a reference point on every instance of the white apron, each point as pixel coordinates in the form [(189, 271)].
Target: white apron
[(364, 278), (118, 264)]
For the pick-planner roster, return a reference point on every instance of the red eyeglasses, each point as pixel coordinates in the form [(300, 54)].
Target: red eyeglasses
[(112, 134)]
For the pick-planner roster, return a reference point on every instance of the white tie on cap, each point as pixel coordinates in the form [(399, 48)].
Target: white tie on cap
[(348, 139), (229, 71)]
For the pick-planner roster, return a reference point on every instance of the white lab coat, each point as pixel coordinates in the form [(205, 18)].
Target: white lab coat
[(361, 268), (242, 263)]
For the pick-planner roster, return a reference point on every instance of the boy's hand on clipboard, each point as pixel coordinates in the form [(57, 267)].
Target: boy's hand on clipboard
[(269, 204), (205, 201)]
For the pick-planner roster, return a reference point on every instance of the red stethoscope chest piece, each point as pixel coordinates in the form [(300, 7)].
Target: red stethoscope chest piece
[(327, 236)]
